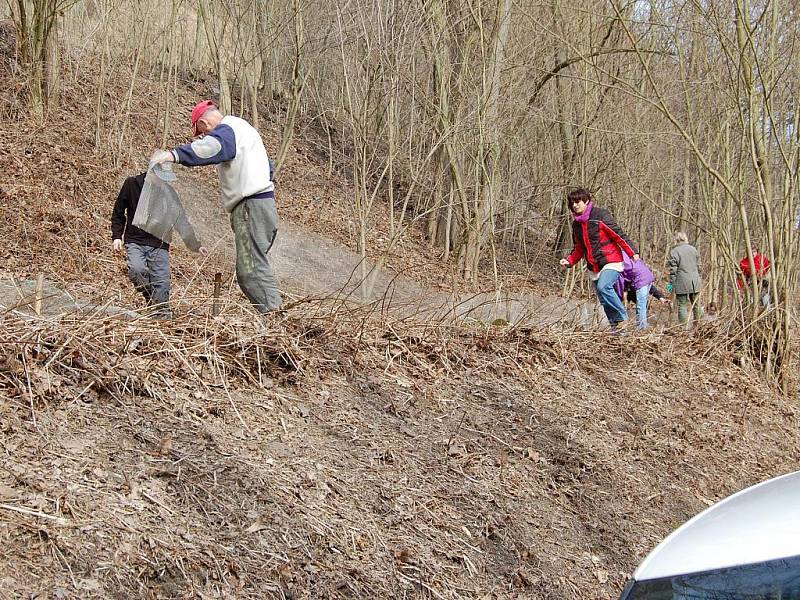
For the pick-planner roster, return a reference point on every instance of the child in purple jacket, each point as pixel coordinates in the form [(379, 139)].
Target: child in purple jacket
[(637, 278)]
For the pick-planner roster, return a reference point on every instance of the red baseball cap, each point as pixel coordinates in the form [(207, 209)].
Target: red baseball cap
[(198, 111)]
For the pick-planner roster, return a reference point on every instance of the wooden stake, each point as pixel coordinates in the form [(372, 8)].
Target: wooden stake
[(37, 299), (217, 290)]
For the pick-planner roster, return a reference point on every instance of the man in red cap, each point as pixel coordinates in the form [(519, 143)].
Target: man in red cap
[(248, 193)]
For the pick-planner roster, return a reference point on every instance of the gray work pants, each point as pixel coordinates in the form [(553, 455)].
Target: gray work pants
[(687, 302), (148, 270), (255, 224)]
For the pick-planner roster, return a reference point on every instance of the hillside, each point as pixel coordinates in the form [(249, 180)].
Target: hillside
[(330, 457), (56, 177), (329, 452)]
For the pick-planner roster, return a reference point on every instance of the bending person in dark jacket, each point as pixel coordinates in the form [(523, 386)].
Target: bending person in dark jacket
[(600, 241), (148, 255)]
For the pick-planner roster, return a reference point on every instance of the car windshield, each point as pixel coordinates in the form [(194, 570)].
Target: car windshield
[(771, 580)]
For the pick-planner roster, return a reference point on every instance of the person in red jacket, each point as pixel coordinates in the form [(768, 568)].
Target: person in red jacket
[(601, 242), (761, 264)]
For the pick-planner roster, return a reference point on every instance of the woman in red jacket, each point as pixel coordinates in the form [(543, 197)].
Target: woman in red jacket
[(600, 241)]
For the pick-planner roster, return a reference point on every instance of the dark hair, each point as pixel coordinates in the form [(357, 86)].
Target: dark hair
[(578, 195)]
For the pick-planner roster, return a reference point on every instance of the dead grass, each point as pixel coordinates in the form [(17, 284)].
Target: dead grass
[(320, 457)]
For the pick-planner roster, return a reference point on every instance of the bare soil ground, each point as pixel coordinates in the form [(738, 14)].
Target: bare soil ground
[(332, 451), (327, 456)]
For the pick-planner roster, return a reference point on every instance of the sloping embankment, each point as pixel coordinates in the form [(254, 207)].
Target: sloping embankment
[(334, 457)]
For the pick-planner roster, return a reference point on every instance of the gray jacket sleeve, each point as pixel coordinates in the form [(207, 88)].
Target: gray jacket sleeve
[(672, 262)]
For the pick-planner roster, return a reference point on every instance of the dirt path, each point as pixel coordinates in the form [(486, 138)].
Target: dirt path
[(308, 264)]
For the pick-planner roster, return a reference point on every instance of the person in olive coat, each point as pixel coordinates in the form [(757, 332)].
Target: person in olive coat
[(684, 278)]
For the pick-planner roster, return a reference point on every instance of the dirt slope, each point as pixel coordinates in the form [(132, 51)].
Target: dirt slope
[(428, 463)]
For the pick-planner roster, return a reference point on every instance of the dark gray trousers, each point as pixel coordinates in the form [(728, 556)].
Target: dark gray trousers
[(255, 224)]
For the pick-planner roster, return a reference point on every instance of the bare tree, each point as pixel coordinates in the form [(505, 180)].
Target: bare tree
[(37, 24)]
